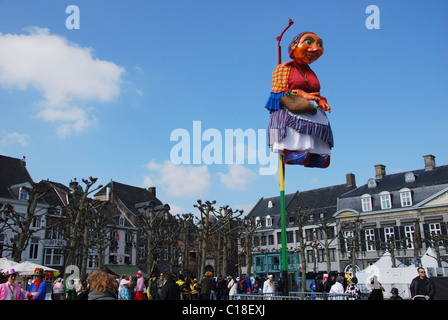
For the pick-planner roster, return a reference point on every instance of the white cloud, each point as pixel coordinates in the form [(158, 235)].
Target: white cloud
[(64, 73), (238, 178), (178, 181), (14, 138)]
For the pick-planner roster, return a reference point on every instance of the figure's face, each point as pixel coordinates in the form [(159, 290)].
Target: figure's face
[(308, 49)]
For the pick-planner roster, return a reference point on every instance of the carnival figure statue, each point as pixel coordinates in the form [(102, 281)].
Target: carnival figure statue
[(298, 127)]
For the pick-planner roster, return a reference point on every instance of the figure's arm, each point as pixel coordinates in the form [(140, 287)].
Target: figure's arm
[(323, 104)]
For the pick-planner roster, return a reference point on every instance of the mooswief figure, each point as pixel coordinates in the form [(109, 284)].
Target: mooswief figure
[(298, 127)]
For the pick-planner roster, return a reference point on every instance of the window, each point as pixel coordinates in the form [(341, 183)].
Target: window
[(409, 232), (389, 233), (53, 257), (34, 248), (92, 261), (258, 222), (434, 229), (36, 222), (268, 221), (309, 234), (370, 240), (290, 237), (406, 197), (271, 239), (121, 221), (348, 236), (385, 200), (366, 202), (23, 194)]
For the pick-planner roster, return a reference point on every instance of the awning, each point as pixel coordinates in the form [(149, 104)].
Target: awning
[(120, 270)]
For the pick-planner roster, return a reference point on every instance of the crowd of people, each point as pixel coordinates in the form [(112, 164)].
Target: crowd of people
[(100, 285)]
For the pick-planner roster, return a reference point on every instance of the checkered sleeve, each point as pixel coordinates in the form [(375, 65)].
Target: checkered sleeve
[(280, 77)]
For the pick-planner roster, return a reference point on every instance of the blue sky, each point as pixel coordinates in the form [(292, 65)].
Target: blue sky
[(103, 100)]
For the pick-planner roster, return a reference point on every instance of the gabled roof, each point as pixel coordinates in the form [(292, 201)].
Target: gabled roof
[(12, 172), (317, 200), (129, 195), (397, 181), (57, 193)]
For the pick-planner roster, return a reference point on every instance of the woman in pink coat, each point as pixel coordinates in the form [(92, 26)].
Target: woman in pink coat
[(10, 290)]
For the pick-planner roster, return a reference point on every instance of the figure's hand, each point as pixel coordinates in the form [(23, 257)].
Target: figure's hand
[(324, 105), (305, 95)]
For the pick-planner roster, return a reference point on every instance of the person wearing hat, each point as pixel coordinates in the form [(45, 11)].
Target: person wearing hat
[(10, 290), (139, 287), (38, 289), (395, 295)]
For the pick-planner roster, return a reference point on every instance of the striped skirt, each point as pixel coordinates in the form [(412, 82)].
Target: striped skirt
[(300, 132)]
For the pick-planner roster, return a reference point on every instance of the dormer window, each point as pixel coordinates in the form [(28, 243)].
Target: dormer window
[(366, 202), (268, 221), (385, 200), (23, 194), (406, 197), (258, 222), (270, 204)]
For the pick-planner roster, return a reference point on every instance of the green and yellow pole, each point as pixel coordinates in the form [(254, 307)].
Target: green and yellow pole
[(283, 224), (282, 193)]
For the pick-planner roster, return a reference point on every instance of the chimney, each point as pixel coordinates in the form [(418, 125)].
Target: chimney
[(152, 190), (108, 193), (380, 171), (351, 182), (430, 162), (73, 184), (23, 162)]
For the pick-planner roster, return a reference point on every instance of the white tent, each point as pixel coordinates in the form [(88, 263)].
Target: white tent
[(6, 264), (428, 259), (386, 262), (28, 268)]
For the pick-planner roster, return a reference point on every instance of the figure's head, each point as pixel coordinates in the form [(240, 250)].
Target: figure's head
[(306, 48)]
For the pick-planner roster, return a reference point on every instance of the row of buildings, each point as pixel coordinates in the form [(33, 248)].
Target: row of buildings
[(46, 246), (402, 212)]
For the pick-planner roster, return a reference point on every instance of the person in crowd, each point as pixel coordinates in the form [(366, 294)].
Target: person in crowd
[(58, 289), (422, 286), (170, 290), (233, 287), (153, 288), (38, 289), (337, 289), (269, 286), (10, 290), (376, 292), (124, 288), (102, 286), (395, 295), (353, 289), (139, 287)]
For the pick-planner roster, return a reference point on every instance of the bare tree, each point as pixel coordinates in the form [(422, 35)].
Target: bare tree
[(76, 214), (352, 241), (327, 236), (24, 225), (301, 215), (150, 222), (207, 228)]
